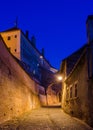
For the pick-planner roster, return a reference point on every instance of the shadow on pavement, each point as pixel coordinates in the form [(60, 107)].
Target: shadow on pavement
[(50, 106)]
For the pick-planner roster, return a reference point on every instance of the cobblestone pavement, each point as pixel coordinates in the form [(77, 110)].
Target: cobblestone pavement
[(45, 119)]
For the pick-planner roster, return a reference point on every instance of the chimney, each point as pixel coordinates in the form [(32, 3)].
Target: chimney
[(27, 34), (43, 51), (33, 41), (89, 27)]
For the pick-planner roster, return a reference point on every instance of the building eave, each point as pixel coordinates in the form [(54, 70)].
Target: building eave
[(75, 66)]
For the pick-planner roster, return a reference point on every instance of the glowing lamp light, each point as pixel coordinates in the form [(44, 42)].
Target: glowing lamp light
[(59, 78), (41, 57)]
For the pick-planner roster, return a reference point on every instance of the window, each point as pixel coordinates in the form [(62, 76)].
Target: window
[(9, 48), (67, 93), (15, 50), (75, 89), (34, 72), (15, 36), (71, 92), (38, 65), (8, 38), (60, 97)]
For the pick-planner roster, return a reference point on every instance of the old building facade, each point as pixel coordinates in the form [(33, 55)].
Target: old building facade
[(31, 59), (77, 72)]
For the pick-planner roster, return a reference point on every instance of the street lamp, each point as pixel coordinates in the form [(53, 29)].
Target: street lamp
[(56, 83), (59, 78)]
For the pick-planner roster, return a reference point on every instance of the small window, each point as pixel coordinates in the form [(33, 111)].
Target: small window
[(9, 48), (15, 50), (67, 93), (15, 36), (76, 90), (8, 38), (60, 97), (70, 92), (34, 72), (37, 65)]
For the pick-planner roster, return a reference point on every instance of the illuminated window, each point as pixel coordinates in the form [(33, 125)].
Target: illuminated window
[(75, 89), (34, 72), (38, 65), (8, 38)]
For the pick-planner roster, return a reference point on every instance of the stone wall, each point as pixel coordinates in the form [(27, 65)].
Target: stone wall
[(18, 92), (43, 100), (52, 99), (90, 97)]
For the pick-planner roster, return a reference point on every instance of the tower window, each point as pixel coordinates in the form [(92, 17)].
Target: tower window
[(15, 36), (8, 38), (34, 72)]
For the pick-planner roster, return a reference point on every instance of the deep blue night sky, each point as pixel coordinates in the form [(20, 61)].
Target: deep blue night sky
[(58, 25)]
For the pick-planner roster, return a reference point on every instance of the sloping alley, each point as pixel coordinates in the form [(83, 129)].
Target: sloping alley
[(45, 119)]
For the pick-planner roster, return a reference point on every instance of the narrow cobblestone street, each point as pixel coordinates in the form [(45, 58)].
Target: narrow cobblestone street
[(45, 119)]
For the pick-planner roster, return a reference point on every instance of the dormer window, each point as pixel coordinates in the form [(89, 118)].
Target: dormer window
[(8, 38)]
